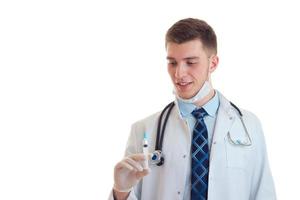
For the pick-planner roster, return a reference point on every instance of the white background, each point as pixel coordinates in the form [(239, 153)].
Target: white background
[(74, 76)]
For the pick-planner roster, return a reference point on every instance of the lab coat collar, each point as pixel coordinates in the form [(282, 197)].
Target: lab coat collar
[(210, 107), (225, 117), (225, 109)]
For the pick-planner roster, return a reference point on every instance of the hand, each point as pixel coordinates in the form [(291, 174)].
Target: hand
[(129, 172)]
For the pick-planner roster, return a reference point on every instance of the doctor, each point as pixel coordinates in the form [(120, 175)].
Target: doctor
[(212, 149)]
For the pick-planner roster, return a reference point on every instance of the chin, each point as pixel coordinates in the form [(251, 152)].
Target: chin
[(186, 93), (186, 96)]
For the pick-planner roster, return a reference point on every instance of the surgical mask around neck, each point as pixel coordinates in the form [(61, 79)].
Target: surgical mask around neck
[(203, 92)]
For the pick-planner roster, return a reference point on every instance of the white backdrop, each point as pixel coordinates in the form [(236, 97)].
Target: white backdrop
[(74, 76)]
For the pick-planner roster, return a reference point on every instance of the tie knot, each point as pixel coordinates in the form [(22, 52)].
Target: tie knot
[(199, 113)]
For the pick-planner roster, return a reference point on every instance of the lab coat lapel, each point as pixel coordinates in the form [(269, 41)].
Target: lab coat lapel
[(225, 119)]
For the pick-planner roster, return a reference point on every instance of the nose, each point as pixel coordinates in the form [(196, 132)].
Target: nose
[(180, 71)]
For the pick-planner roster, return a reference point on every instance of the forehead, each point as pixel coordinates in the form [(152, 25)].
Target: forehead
[(191, 48)]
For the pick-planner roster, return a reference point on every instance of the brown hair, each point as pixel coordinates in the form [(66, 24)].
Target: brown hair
[(189, 29)]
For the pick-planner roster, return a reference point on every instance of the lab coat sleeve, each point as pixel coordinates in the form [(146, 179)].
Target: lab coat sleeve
[(262, 182), (132, 148), (130, 197)]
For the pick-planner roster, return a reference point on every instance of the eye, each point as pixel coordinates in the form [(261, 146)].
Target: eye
[(191, 63), (172, 63)]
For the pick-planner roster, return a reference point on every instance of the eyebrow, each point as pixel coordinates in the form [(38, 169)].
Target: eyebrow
[(187, 58)]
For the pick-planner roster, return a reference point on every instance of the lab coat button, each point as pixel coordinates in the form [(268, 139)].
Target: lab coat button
[(184, 156), (178, 192), (214, 142)]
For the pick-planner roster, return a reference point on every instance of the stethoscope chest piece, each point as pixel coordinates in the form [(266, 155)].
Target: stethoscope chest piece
[(157, 158)]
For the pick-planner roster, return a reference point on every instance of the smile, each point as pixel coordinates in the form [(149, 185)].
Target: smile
[(183, 83)]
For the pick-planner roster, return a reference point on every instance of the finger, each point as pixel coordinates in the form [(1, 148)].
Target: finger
[(143, 173), (140, 156), (148, 156), (124, 165), (137, 157), (134, 164)]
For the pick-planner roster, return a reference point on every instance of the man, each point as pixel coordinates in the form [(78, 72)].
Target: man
[(212, 149)]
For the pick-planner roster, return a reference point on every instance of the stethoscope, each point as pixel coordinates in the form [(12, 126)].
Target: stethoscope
[(157, 155)]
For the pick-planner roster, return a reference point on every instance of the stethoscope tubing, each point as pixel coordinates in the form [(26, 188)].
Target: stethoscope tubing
[(159, 159)]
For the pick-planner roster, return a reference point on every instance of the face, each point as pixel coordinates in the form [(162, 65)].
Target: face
[(189, 66)]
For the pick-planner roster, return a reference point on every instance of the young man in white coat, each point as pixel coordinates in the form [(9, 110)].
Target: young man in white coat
[(212, 149)]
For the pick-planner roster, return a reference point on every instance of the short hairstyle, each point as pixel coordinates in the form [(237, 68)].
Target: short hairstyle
[(189, 29)]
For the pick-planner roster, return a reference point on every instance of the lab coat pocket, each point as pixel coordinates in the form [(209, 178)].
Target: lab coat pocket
[(235, 155)]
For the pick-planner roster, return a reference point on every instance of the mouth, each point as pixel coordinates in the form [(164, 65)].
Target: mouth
[(183, 85)]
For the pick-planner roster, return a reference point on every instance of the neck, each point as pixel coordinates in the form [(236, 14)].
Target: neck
[(206, 99)]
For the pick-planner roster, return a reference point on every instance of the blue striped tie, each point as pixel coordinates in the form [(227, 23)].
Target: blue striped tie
[(200, 157)]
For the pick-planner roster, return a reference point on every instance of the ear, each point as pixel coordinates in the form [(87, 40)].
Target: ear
[(213, 63)]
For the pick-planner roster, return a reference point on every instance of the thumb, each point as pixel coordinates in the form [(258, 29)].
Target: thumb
[(143, 173)]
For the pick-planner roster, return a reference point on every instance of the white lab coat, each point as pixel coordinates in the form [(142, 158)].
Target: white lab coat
[(236, 173)]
